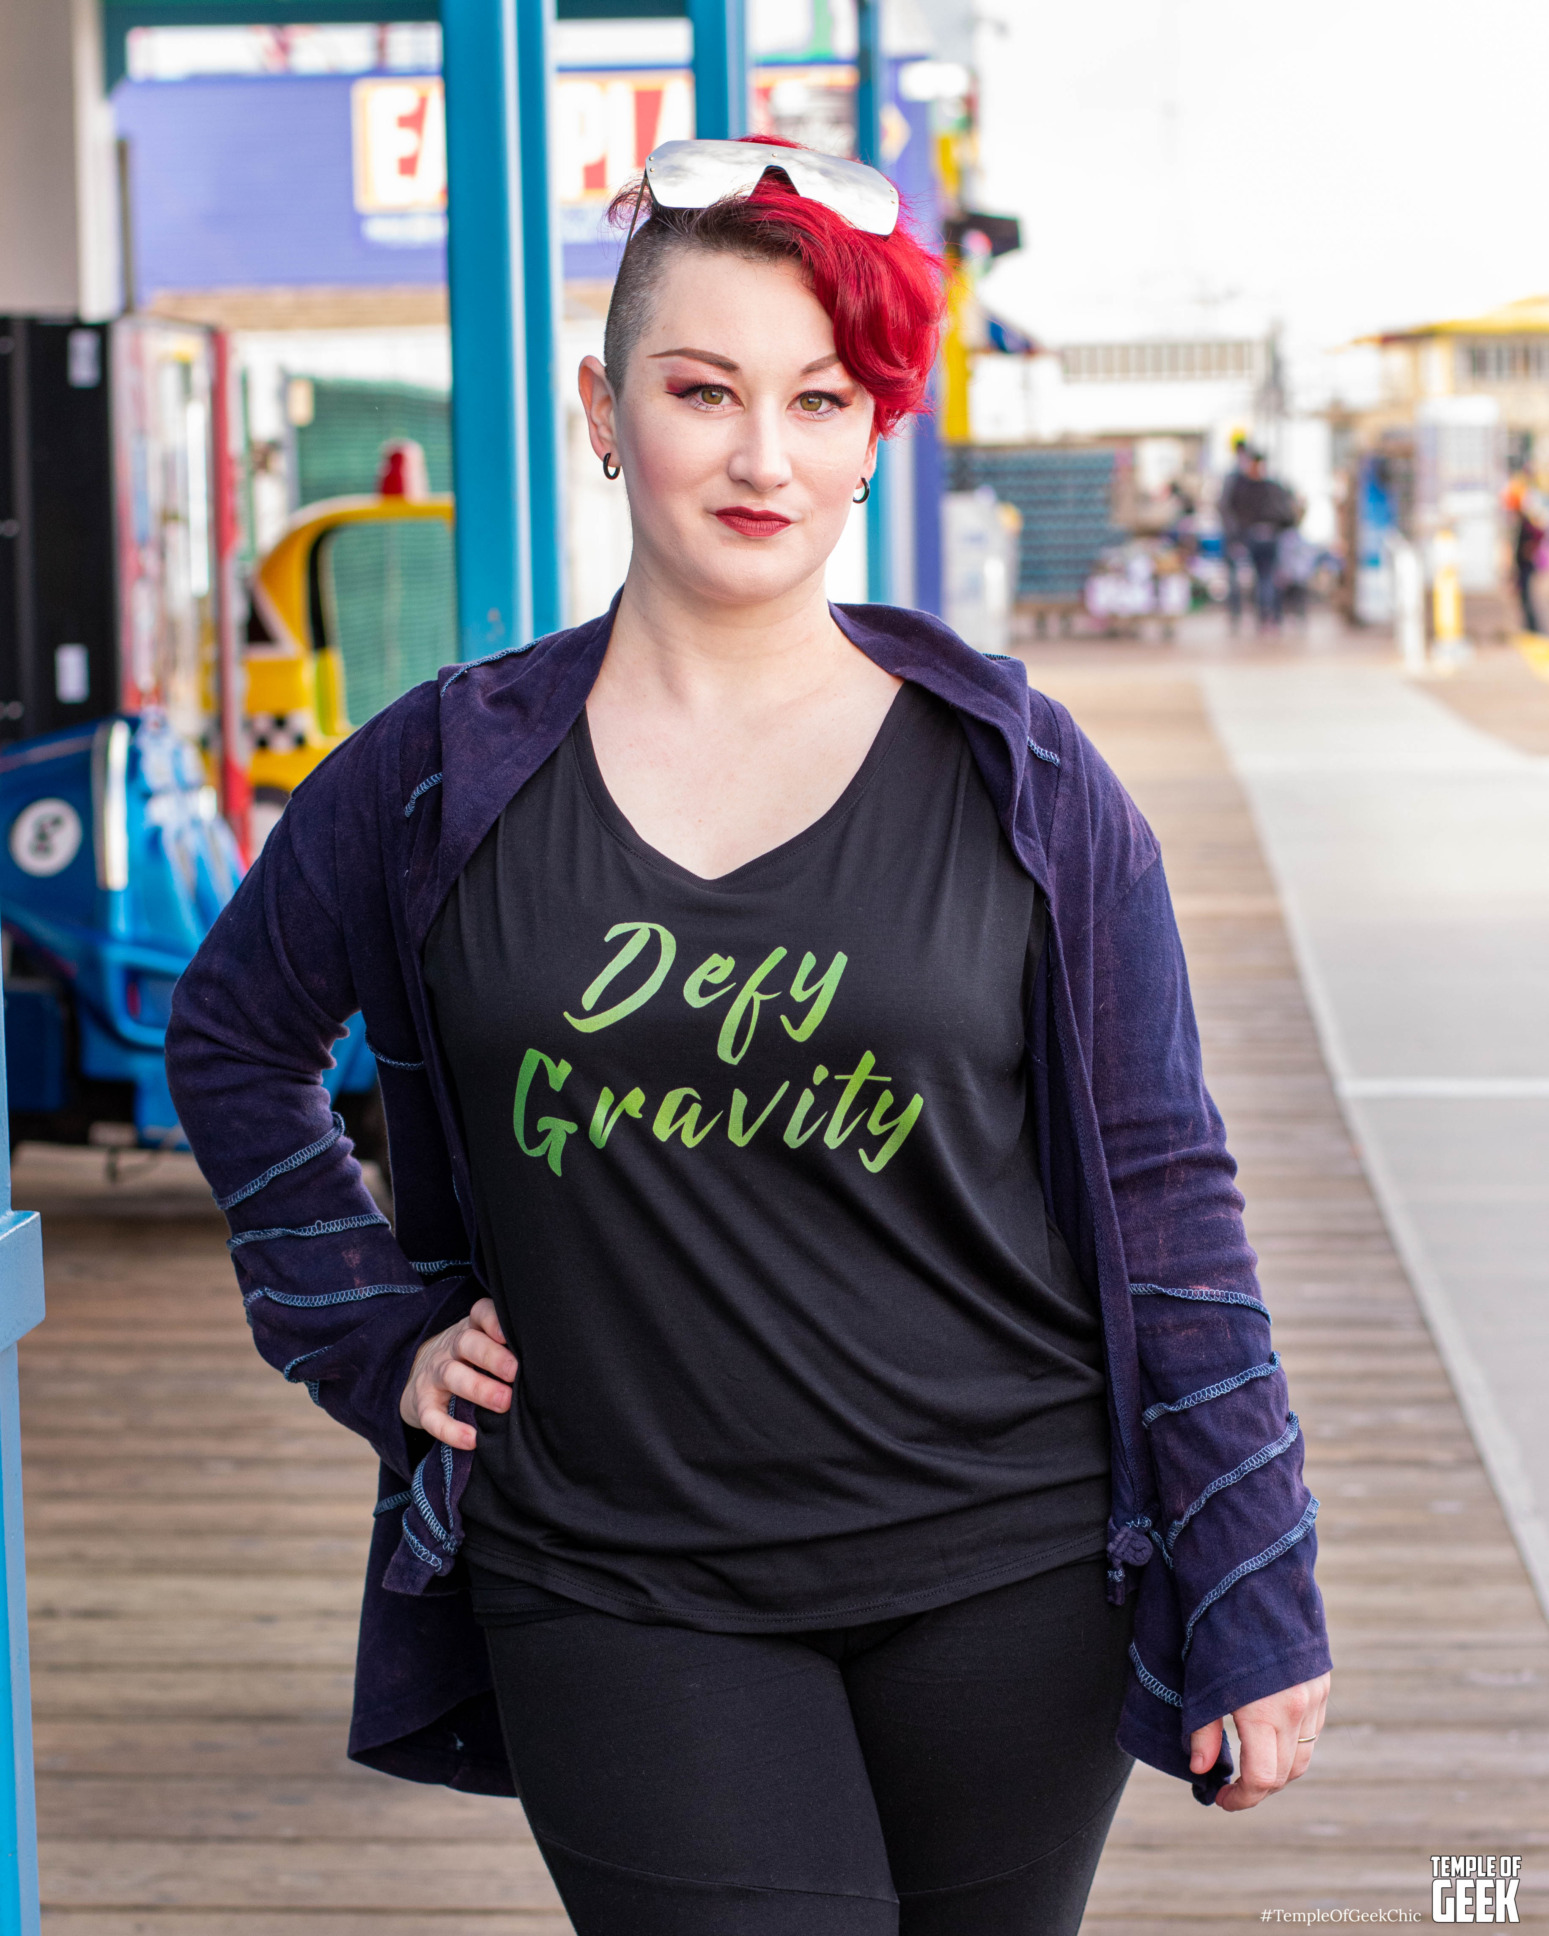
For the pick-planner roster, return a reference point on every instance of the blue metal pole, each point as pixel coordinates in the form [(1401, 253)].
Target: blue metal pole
[(543, 281), (870, 94), (720, 68), (490, 396), (21, 1307)]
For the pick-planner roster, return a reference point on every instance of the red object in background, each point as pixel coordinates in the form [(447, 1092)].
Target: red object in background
[(648, 118), (404, 472), (236, 792)]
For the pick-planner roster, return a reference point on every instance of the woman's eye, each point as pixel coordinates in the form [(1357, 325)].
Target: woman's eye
[(711, 394), (814, 403)]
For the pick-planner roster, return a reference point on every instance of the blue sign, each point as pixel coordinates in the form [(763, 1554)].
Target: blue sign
[(240, 183)]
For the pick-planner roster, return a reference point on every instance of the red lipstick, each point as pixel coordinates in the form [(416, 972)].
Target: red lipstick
[(752, 524)]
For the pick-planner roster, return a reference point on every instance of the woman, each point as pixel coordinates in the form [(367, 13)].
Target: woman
[(817, 1297)]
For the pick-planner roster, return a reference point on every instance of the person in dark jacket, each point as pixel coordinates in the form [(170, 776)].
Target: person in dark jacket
[(1525, 506), (817, 1297), (1262, 510), (1234, 549)]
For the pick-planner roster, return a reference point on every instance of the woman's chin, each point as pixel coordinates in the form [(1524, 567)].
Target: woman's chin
[(749, 577)]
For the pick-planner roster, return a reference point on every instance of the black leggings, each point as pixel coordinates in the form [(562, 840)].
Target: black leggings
[(953, 1773)]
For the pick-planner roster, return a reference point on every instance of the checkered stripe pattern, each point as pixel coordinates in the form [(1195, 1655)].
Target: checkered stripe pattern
[(278, 732)]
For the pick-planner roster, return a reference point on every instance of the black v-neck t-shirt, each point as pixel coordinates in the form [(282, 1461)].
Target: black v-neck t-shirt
[(760, 1210)]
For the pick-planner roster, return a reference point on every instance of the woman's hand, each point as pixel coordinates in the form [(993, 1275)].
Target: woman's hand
[(467, 1360), (1274, 1737)]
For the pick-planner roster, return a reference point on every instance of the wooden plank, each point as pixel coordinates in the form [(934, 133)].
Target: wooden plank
[(284, 1748), (119, 1692), (357, 1873), (301, 1922), (354, 1804)]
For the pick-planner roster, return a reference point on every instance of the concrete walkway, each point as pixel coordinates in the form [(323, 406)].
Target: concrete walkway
[(1411, 850)]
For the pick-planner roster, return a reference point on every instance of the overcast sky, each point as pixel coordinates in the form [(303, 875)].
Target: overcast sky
[(1342, 165)]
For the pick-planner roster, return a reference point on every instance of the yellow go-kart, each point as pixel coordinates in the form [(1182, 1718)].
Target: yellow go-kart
[(297, 704)]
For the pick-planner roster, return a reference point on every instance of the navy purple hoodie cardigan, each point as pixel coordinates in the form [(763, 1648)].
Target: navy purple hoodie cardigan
[(1211, 1521)]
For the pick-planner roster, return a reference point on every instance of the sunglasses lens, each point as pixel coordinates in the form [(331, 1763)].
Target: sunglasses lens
[(863, 196), (693, 174)]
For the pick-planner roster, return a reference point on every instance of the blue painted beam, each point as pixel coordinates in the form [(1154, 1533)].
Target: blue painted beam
[(543, 281), (21, 1307), (489, 325), (870, 97), (720, 68)]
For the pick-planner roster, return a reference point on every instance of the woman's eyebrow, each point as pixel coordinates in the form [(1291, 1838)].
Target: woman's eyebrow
[(699, 356), (725, 362)]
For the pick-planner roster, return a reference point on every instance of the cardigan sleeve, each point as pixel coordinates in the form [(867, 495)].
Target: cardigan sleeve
[(1231, 1518), (332, 1300)]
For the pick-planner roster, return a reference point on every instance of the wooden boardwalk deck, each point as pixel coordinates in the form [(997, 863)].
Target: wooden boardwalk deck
[(196, 1530)]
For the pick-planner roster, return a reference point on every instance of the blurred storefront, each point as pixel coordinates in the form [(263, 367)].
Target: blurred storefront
[(1457, 406), (289, 185)]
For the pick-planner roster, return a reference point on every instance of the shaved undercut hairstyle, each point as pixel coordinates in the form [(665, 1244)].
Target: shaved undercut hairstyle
[(882, 293)]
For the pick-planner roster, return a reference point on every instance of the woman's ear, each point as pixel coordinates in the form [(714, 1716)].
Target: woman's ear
[(597, 401), (869, 469)]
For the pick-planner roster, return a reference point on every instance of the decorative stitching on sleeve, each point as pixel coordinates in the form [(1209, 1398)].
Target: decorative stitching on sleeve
[(329, 1228), (437, 1531), (421, 1551), (1284, 1544), (1262, 1457), (390, 1504), (1219, 1390), (423, 787), (320, 1300), (282, 1169), (289, 1371), (1149, 1681), (391, 1061), (1162, 1548), (441, 1264), (1200, 1295), (1042, 753)]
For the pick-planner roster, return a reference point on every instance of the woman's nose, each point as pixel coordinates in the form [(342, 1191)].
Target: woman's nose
[(760, 459)]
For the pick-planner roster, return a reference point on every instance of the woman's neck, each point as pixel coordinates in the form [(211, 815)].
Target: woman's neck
[(669, 648)]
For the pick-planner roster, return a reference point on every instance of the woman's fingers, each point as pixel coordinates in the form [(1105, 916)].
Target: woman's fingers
[(1277, 1736), (441, 1425), (1205, 1748), (485, 1317), (1259, 1774), (462, 1380), (1312, 1724), (489, 1354), (464, 1361)]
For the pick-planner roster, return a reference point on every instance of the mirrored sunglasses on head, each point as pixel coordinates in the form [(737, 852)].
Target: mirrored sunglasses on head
[(693, 174)]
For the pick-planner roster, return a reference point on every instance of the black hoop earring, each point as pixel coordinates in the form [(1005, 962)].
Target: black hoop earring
[(863, 493), (607, 473)]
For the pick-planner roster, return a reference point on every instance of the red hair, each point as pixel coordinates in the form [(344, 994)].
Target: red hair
[(882, 293)]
